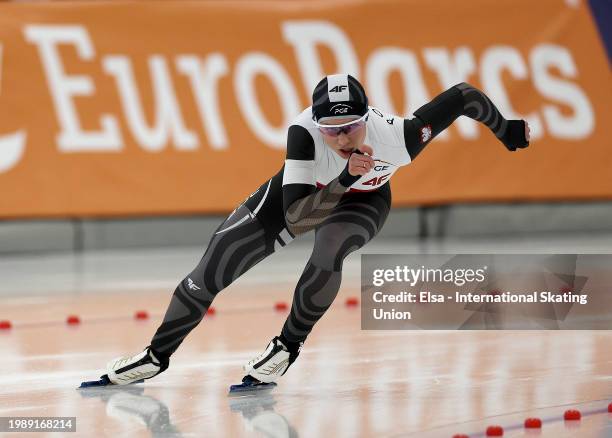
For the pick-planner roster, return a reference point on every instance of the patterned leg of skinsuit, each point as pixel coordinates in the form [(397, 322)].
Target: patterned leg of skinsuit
[(354, 222), (252, 232)]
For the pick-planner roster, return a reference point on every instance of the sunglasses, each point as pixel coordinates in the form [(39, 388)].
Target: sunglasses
[(346, 128)]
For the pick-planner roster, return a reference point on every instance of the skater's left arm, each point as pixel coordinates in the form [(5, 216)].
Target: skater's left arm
[(461, 100)]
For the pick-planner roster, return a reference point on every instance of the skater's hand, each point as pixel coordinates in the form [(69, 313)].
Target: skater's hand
[(516, 135), (359, 162)]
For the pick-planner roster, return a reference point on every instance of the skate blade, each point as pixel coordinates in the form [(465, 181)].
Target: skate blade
[(104, 381), (251, 386)]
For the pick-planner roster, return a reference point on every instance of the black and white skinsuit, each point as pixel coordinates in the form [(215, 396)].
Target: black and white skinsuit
[(314, 190)]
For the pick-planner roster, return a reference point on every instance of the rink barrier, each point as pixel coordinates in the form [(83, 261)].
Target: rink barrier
[(454, 221)]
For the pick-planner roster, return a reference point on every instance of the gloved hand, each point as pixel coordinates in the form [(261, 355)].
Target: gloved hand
[(516, 135)]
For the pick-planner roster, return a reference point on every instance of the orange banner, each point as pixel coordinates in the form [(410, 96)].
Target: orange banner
[(111, 108)]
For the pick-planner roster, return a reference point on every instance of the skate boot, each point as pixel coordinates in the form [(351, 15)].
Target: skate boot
[(265, 369), (131, 369)]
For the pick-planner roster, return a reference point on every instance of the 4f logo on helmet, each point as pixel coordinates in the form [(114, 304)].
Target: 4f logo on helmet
[(338, 89)]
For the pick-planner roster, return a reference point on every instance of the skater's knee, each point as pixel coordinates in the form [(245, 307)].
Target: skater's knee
[(316, 291), (331, 248)]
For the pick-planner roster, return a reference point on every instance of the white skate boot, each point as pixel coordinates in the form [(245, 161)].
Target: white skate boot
[(131, 369), (272, 363), (266, 368)]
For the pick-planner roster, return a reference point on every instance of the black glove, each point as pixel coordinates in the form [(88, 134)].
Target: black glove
[(514, 137)]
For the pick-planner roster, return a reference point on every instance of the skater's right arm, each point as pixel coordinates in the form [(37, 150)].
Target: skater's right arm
[(306, 206)]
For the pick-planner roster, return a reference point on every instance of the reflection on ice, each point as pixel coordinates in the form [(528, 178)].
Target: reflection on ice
[(258, 414), (129, 403)]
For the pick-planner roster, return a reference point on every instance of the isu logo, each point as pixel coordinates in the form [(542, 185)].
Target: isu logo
[(425, 133)]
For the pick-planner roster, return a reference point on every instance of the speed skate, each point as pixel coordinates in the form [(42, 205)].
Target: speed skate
[(104, 381), (263, 370), (250, 385), (129, 370)]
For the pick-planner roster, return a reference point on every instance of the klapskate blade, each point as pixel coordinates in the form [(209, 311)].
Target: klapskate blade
[(244, 388), (104, 381)]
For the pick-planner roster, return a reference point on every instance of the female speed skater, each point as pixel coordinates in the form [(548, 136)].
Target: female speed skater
[(341, 154)]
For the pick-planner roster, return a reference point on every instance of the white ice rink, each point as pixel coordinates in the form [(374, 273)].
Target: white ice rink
[(346, 383)]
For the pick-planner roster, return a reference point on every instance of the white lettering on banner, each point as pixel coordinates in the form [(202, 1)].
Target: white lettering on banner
[(494, 61), (378, 68), (1, 55), (305, 35), (453, 69), (582, 122), (64, 88), (11, 145), (551, 67), (247, 68), (204, 77), (168, 117), (11, 149)]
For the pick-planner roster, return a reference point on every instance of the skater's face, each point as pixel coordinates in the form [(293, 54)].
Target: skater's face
[(346, 139)]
